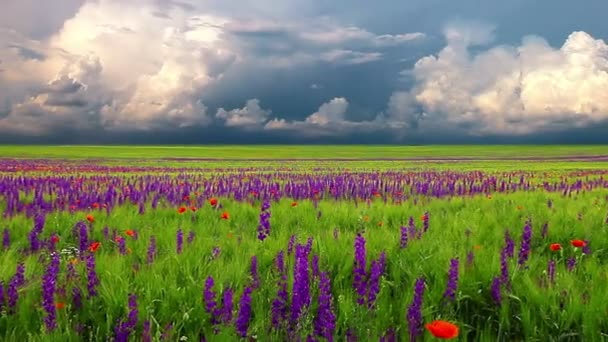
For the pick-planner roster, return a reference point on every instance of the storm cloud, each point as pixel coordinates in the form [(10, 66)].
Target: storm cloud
[(149, 71)]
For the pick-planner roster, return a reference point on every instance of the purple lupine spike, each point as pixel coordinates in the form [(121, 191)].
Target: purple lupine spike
[(524, 250), (180, 241), (13, 294), (255, 277), (279, 303), (586, 248), (404, 238), (452, 286), (470, 258), (146, 335), (412, 227), (315, 266), (49, 286), (571, 263), (209, 295), (509, 244), (376, 272), (215, 253), (124, 328), (191, 236), (227, 306), (6, 239), (19, 276), (495, 290), (93, 280), (301, 284), (325, 320), (151, 250), (264, 225), (244, 313), (166, 332), (106, 232), (77, 297), (359, 269), (2, 299), (83, 234), (290, 244), (122, 246), (545, 230), (551, 271), (389, 336), (414, 311)]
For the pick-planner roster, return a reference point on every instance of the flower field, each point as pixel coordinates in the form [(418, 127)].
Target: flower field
[(157, 250)]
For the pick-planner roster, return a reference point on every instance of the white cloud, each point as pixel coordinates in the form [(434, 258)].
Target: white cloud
[(350, 57), (506, 89), (330, 112), (250, 115)]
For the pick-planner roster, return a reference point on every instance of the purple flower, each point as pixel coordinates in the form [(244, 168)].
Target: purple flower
[(13, 294), (76, 297), (122, 246), (359, 269), (125, 328), (264, 225), (389, 336), (495, 290), (452, 286), (414, 311), (191, 236), (244, 313), (325, 320), (290, 244), (586, 248), (376, 271), (425, 222), (180, 241), (470, 258), (209, 295), (509, 244), (83, 235), (6, 239), (526, 239), (403, 240), (545, 231), (215, 252), (301, 284), (93, 280), (49, 286), (315, 266), (551, 271), (254, 273), (570, 263), (227, 305), (151, 250), (279, 303), (146, 335)]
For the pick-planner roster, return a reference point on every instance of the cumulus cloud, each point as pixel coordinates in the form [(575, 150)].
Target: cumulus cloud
[(329, 120), (250, 115), (506, 89), (135, 70)]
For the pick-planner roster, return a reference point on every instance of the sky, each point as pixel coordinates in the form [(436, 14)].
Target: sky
[(303, 71)]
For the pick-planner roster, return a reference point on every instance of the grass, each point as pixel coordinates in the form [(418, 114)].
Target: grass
[(291, 151), (170, 289)]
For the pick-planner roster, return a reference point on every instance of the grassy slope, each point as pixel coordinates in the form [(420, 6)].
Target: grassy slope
[(293, 151)]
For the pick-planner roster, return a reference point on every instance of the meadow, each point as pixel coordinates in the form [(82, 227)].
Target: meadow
[(477, 243)]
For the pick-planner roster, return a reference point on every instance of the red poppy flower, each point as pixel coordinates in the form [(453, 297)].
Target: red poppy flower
[(95, 205), (59, 305), (193, 208), (54, 239), (90, 218), (578, 243), (424, 217), (225, 215), (213, 201), (442, 329), (94, 246), (294, 204), (130, 232), (555, 247), (181, 210), (186, 198)]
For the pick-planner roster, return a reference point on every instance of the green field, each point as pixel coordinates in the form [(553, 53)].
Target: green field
[(497, 218), (289, 151)]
